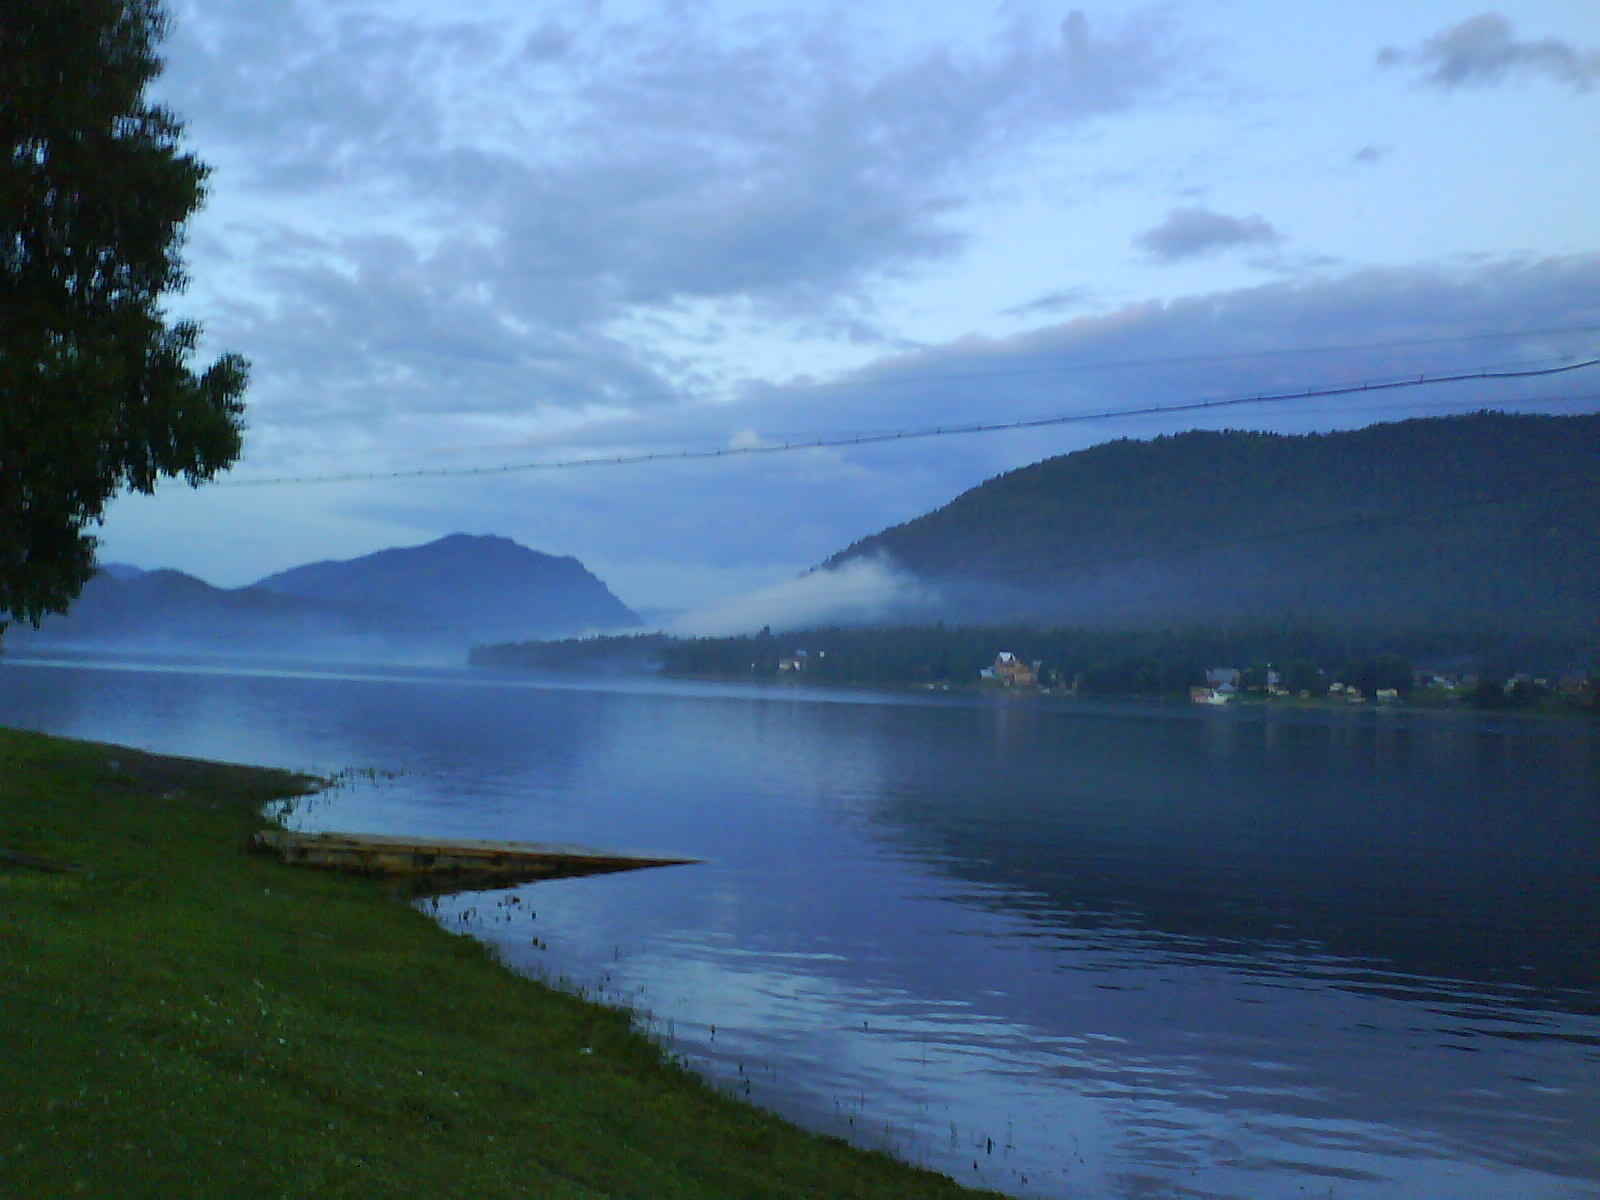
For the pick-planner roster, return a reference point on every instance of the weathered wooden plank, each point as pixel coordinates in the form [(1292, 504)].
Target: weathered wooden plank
[(449, 864)]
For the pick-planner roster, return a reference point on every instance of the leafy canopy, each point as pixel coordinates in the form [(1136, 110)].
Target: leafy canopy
[(96, 392)]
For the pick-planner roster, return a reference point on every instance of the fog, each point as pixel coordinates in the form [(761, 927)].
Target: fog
[(263, 649), (861, 591)]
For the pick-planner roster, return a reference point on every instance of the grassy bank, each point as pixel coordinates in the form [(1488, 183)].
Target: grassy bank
[(180, 1018)]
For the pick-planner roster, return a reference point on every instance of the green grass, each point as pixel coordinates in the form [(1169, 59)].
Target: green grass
[(181, 1018)]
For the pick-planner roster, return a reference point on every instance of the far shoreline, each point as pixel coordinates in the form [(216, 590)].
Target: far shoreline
[(110, 657)]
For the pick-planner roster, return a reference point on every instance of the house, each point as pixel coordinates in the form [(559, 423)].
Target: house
[(795, 662), (1012, 671), (1575, 686), (1223, 679)]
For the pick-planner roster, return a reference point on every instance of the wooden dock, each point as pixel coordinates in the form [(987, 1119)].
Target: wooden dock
[(433, 866)]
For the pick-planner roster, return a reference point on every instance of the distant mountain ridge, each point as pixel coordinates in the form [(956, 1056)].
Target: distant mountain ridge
[(484, 580), (439, 596), (1484, 521), (119, 570)]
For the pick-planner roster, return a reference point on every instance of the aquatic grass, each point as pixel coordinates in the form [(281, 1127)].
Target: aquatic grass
[(179, 1017)]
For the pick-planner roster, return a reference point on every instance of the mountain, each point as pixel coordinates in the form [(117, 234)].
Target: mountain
[(169, 608), (479, 584), (1484, 522), (427, 600), (120, 570)]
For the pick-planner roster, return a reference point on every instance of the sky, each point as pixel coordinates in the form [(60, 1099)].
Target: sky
[(539, 234)]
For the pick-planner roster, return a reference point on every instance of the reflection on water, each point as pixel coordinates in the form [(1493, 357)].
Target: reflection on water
[(1437, 845), (1119, 950)]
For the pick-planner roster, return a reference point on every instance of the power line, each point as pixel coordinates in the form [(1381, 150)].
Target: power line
[(1518, 404), (857, 382), (1183, 360), (790, 447)]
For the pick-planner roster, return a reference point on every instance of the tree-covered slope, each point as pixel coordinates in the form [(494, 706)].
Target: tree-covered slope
[(1485, 522), (163, 607), (487, 584)]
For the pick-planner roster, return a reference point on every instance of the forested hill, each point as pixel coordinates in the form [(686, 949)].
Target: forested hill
[(1483, 522), (485, 584), (407, 601)]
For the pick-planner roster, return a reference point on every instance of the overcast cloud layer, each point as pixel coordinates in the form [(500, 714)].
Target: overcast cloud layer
[(541, 234)]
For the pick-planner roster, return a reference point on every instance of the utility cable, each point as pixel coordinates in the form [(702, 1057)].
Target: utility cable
[(790, 447), (1178, 360)]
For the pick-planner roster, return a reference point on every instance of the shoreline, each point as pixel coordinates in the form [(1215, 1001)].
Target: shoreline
[(1552, 708), (1549, 708), (187, 1018)]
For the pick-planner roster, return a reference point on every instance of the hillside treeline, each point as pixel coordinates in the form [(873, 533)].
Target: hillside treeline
[(1478, 522), (1144, 662)]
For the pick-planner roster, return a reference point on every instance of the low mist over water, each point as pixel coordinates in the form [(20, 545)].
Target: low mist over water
[(1056, 948)]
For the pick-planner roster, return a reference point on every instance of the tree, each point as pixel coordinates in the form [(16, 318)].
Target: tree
[(1302, 675), (1379, 672), (96, 392)]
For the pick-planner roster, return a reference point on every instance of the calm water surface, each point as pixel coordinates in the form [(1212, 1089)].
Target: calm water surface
[(1059, 949)]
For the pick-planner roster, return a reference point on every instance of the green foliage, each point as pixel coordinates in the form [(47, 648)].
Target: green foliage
[(1127, 662), (635, 651), (1157, 662), (96, 394), (1302, 675), (1376, 672), (1488, 694), (185, 1019), (1477, 523), (1525, 693)]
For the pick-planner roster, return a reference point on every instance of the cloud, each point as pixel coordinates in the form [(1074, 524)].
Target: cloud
[(615, 163), (1188, 232), (861, 591), (723, 523), (432, 231), (1051, 302), (541, 232), (548, 42), (797, 509), (1482, 52), (1359, 326)]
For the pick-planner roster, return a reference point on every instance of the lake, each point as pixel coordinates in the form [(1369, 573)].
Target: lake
[(1057, 948)]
